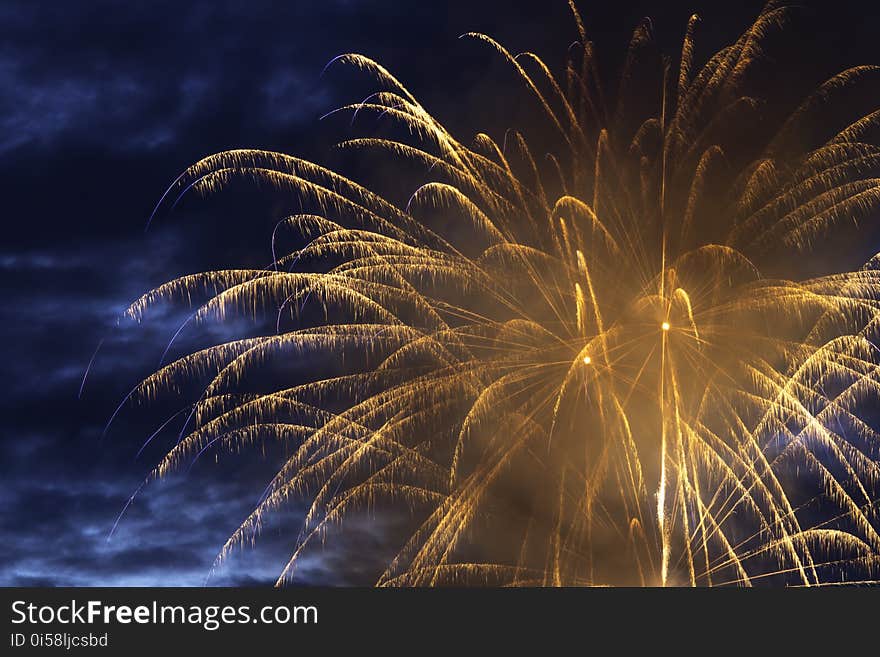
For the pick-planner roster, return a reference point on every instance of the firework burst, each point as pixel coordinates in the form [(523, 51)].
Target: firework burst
[(599, 367)]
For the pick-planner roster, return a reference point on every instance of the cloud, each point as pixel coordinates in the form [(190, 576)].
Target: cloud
[(58, 533), (127, 79), (57, 521), (64, 484)]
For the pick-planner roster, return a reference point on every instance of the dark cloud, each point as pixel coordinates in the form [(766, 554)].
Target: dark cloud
[(136, 72), (58, 531)]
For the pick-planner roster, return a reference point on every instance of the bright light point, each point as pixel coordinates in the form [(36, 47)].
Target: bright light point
[(665, 326), (587, 360)]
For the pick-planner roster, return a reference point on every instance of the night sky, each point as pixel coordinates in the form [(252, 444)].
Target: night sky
[(102, 105)]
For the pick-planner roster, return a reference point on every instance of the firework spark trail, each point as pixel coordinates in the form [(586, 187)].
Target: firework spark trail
[(586, 379)]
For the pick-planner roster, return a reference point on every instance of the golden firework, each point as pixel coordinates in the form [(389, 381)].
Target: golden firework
[(596, 367)]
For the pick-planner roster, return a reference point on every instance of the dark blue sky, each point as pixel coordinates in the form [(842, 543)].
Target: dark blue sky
[(102, 104)]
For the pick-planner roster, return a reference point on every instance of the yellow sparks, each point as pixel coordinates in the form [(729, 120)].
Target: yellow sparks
[(454, 328)]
